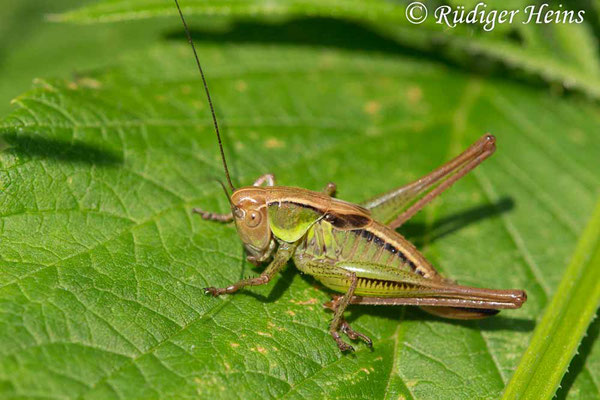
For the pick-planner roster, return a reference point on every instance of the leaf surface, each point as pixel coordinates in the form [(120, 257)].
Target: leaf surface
[(103, 263)]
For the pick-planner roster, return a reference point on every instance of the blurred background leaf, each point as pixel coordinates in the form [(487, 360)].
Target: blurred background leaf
[(562, 54), (102, 263)]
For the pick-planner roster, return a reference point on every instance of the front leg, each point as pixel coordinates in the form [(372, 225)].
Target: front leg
[(280, 259), (211, 216), (330, 189)]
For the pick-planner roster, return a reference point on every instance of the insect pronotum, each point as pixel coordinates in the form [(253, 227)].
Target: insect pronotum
[(353, 249)]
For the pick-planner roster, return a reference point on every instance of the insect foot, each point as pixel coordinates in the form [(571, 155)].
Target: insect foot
[(344, 326), (352, 334), (213, 291), (343, 346)]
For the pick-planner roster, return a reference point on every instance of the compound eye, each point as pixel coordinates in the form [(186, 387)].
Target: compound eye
[(253, 218)]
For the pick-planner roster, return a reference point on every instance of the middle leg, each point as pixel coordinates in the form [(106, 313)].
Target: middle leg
[(338, 305), (344, 325)]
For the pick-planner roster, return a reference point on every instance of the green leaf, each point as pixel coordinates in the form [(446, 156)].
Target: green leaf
[(119, 10), (27, 42), (565, 54), (103, 263), (558, 334)]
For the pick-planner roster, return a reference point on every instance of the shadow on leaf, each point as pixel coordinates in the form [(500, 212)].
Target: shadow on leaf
[(355, 36), (281, 284), (322, 32), (35, 146), (419, 233), (500, 322)]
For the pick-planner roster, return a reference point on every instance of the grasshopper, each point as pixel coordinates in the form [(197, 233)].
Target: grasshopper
[(353, 249)]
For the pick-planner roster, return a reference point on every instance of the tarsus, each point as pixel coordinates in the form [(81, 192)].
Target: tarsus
[(212, 110)]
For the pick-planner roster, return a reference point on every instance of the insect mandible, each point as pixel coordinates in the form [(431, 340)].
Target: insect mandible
[(353, 249)]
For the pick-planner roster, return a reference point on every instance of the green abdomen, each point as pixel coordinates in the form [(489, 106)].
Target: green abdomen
[(323, 246)]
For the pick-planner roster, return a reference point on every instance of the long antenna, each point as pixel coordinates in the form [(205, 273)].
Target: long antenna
[(212, 109)]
